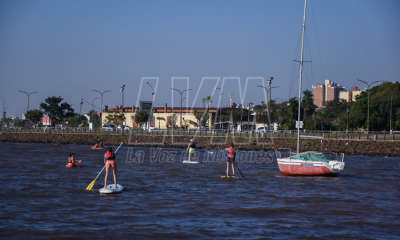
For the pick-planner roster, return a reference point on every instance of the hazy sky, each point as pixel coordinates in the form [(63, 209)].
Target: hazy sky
[(67, 48)]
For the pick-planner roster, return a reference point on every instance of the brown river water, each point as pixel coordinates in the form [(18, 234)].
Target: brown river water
[(166, 199)]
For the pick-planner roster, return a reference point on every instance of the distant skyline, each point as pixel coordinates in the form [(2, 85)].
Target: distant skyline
[(67, 48)]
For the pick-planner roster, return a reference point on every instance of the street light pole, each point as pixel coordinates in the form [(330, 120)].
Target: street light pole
[(28, 94), (369, 87), (92, 109), (101, 106), (152, 101), (122, 116), (181, 92), (80, 109), (220, 105)]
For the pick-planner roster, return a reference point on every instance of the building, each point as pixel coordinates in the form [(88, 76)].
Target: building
[(350, 96), (167, 113), (328, 91)]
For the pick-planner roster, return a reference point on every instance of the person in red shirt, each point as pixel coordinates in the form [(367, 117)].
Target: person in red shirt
[(71, 160), (109, 161), (231, 159)]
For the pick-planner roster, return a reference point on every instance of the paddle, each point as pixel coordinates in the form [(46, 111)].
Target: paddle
[(92, 183), (78, 161), (239, 170)]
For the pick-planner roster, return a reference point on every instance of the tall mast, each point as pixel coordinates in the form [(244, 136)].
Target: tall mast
[(301, 77)]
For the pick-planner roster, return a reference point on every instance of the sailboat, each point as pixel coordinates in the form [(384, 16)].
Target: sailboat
[(310, 162)]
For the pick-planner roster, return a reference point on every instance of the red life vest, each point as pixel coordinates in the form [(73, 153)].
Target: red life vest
[(231, 152), (69, 160), (110, 155)]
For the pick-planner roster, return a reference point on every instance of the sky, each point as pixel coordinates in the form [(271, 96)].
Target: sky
[(67, 48)]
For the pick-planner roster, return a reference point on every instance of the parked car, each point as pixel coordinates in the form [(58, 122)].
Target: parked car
[(149, 128), (124, 127), (109, 127), (261, 130)]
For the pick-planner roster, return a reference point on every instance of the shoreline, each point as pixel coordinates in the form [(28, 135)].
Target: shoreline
[(347, 146)]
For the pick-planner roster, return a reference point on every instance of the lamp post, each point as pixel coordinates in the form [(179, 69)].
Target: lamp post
[(122, 112), (269, 102), (220, 109), (28, 94), (92, 109), (80, 109), (369, 87), (181, 92), (152, 101), (101, 106)]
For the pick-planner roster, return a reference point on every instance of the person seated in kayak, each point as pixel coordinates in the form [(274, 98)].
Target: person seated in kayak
[(231, 159), (71, 160), (97, 145), (109, 161), (192, 148), (101, 144)]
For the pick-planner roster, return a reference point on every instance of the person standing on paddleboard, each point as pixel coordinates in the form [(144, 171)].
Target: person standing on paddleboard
[(71, 160), (109, 161), (231, 159), (192, 148)]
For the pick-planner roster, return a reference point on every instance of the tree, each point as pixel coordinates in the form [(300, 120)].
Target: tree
[(159, 120), (141, 117), (35, 115), (75, 121), (172, 121), (262, 117), (307, 103), (208, 100), (96, 118), (57, 111), (114, 117), (199, 117), (293, 107)]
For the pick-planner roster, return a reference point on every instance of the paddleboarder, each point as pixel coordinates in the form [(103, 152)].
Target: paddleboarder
[(231, 159), (71, 160), (109, 161), (192, 148)]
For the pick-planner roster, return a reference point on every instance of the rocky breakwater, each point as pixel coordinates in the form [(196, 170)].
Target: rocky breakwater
[(366, 147)]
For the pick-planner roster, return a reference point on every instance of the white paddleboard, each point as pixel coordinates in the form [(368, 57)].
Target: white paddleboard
[(186, 161), (111, 189)]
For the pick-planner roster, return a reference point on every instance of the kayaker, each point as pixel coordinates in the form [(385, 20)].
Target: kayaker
[(97, 145), (101, 144), (192, 148), (109, 161), (71, 160), (231, 159)]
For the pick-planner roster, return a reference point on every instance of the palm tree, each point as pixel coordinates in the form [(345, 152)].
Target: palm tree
[(204, 102), (307, 102), (160, 119), (208, 100)]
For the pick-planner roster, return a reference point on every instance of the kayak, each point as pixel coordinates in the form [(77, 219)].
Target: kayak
[(94, 147), (71, 166)]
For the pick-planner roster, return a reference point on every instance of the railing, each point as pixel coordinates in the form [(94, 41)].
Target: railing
[(336, 135)]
